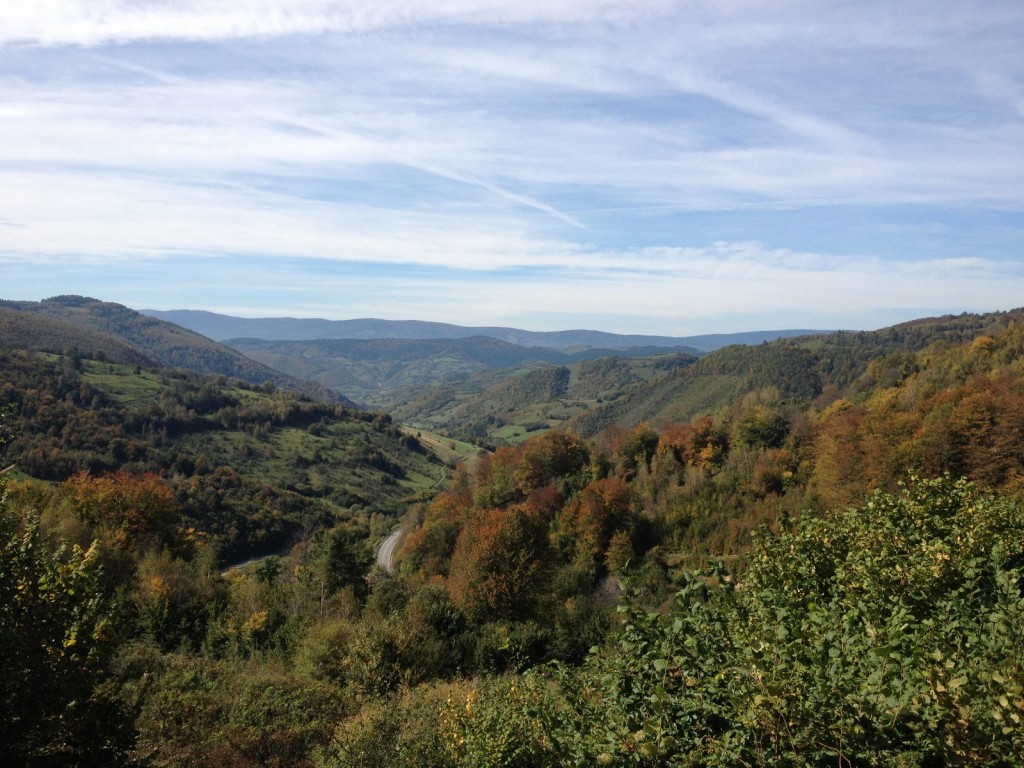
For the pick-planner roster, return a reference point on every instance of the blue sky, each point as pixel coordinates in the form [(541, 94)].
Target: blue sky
[(654, 167)]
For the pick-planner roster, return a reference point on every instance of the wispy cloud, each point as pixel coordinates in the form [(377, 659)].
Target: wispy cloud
[(97, 22)]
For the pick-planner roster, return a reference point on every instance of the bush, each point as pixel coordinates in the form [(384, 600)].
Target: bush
[(889, 634)]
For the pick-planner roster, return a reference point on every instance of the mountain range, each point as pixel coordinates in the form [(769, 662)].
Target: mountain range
[(224, 327), (720, 478)]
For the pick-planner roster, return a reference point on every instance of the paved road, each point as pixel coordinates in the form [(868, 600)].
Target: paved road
[(386, 551), (245, 563), (385, 554)]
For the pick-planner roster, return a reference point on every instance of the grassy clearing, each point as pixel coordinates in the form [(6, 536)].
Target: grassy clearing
[(518, 433), (124, 384), (448, 450), (414, 481)]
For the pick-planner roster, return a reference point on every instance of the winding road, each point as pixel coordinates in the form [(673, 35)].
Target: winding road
[(386, 550)]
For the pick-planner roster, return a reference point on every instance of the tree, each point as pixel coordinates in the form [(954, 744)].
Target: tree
[(586, 524), (338, 558), (499, 565), (762, 426), (57, 637), (637, 451), (552, 456), (138, 511)]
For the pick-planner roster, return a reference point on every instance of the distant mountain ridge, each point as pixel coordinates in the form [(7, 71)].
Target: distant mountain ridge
[(223, 327)]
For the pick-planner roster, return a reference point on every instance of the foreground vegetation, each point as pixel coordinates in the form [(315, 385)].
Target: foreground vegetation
[(889, 634)]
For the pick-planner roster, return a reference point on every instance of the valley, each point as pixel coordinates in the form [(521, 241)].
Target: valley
[(509, 530)]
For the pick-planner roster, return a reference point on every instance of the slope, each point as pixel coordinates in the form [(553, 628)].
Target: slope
[(800, 369), (22, 330), (510, 404), (162, 342), (253, 467)]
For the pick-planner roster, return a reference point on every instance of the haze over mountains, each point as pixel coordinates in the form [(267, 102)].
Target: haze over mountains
[(224, 327)]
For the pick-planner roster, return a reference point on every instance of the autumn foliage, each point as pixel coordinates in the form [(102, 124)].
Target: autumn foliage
[(136, 510)]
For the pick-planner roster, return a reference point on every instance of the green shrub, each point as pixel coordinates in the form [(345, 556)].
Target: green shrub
[(889, 634)]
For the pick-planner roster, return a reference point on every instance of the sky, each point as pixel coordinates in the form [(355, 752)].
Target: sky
[(653, 166)]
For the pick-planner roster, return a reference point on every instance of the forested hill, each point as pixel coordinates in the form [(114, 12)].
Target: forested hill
[(117, 329), (800, 369), (31, 331), (251, 466), (506, 405)]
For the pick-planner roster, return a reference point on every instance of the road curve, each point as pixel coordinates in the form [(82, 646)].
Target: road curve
[(386, 550)]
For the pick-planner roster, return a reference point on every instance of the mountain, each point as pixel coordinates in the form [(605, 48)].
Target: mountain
[(63, 323), (224, 327), (373, 371)]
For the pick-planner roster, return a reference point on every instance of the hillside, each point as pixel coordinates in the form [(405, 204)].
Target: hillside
[(252, 466), (783, 445), (507, 405), (801, 369), (382, 372), (224, 327), (161, 342), (619, 391), (30, 331)]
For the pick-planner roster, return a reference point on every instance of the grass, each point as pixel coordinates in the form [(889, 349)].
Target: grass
[(448, 450), (414, 481), (122, 383), (518, 433)]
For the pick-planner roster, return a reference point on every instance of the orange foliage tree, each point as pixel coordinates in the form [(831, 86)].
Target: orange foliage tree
[(584, 528), (129, 510), (500, 564)]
